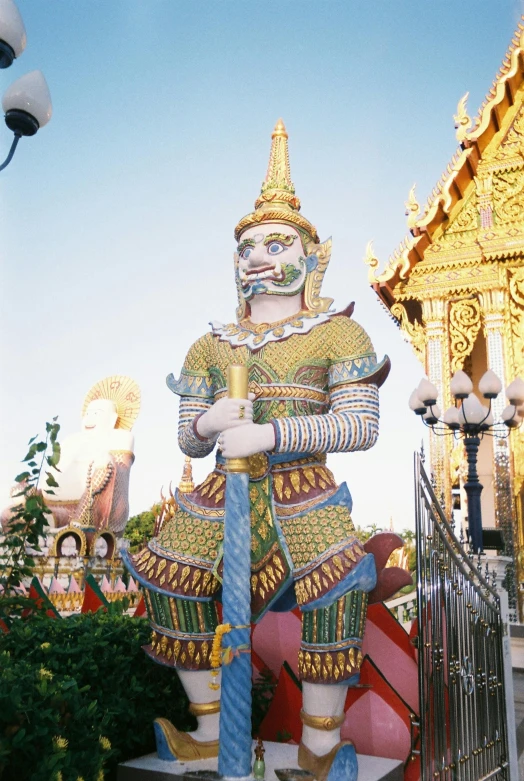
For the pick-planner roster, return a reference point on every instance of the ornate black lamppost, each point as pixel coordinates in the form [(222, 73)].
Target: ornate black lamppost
[(27, 102), (471, 421)]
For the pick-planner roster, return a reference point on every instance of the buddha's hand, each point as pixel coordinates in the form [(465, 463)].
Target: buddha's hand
[(225, 414), (247, 440)]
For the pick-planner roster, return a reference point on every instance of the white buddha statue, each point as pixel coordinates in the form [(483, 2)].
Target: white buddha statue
[(89, 450), (93, 473)]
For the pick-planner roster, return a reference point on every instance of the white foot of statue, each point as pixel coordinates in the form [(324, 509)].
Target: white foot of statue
[(204, 703), (321, 751)]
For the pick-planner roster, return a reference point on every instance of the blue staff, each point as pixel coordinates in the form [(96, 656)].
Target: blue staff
[(234, 758)]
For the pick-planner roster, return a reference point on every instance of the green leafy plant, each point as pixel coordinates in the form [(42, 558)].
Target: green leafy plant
[(28, 522), (98, 683), (283, 736), (49, 725), (262, 693), (361, 534), (408, 535), (141, 527)]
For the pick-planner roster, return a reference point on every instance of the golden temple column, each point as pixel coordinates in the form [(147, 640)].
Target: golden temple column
[(493, 305), (434, 312), (514, 351)]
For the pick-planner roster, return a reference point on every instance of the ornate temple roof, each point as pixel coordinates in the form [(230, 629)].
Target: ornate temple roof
[(458, 177)]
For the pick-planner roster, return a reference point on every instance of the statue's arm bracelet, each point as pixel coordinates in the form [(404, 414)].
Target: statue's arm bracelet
[(190, 441), (352, 424)]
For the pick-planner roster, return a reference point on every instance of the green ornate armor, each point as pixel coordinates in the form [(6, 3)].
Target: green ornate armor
[(315, 378)]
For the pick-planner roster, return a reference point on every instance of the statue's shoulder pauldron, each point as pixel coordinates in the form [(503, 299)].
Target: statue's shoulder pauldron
[(195, 379), (352, 356)]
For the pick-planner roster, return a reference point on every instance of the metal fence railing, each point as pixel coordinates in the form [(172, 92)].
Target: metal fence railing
[(463, 725)]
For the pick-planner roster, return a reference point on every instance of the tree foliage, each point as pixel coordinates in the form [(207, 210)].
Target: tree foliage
[(29, 520), (408, 535), (141, 527)]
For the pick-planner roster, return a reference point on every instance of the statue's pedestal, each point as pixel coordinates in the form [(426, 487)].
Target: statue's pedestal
[(278, 756)]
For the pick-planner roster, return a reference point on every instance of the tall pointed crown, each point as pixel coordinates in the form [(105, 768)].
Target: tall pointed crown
[(277, 201)]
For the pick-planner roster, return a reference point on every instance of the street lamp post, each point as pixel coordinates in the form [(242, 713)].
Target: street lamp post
[(470, 420), (27, 102)]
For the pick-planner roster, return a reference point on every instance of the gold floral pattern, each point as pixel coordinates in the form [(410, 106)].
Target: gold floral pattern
[(186, 534), (308, 536)]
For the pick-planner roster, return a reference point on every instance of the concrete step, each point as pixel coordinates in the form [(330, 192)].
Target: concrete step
[(278, 756)]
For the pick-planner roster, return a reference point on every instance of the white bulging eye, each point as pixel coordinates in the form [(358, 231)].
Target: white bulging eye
[(275, 248)]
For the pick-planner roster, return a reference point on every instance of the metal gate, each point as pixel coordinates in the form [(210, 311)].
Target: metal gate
[(462, 724)]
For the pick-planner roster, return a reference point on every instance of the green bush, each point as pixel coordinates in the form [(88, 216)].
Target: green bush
[(78, 695), (38, 709), (140, 528)]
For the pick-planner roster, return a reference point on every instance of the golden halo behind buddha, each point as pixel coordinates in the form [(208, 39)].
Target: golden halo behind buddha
[(277, 201), (125, 394)]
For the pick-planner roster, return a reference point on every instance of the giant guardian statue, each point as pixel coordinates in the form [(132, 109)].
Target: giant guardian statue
[(314, 382)]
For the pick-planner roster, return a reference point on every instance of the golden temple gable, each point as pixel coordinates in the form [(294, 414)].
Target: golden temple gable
[(455, 287)]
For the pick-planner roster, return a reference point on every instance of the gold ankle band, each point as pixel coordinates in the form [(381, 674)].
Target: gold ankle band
[(204, 708), (322, 722)]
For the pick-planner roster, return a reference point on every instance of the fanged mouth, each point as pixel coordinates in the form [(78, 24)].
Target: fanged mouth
[(274, 273)]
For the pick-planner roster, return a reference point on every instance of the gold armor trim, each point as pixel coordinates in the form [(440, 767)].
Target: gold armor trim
[(293, 392), (258, 466), (276, 215), (183, 746), (175, 558), (204, 708), (285, 510), (328, 666), (191, 651), (318, 458), (190, 507), (328, 723), (316, 579)]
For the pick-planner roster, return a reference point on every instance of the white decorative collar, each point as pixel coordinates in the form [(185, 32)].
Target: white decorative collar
[(256, 336)]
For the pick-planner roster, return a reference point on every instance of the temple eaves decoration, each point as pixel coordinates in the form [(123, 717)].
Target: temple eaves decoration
[(455, 284)]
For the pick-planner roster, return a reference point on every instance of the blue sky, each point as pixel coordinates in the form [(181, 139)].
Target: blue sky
[(117, 218)]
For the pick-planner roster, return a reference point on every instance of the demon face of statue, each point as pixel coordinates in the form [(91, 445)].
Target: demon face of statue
[(271, 260)]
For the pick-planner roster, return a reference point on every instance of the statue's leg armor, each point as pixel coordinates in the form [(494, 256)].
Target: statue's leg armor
[(330, 651), (182, 638), (329, 661)]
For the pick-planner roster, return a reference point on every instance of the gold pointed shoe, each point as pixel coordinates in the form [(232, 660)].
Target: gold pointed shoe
[(173, 745), (340, 764)]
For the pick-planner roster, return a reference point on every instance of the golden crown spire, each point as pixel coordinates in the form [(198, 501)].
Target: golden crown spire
[(277, 185), (277, 201)]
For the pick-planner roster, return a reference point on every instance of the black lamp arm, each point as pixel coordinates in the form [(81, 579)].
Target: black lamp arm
[(9, 157)]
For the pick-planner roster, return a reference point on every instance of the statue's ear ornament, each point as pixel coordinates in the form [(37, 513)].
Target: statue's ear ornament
[(312, 298)]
